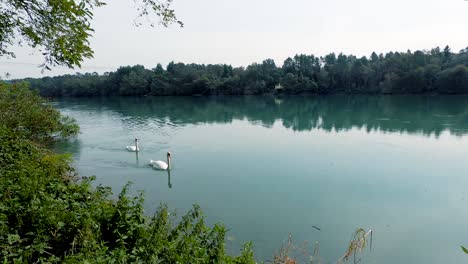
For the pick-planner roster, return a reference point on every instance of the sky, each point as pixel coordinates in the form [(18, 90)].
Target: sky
[(245, 31)]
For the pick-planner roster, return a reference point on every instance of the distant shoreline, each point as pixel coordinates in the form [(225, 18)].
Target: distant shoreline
[(262, 95), (437, 71)]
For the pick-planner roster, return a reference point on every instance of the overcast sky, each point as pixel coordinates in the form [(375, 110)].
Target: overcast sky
[(244, 31)]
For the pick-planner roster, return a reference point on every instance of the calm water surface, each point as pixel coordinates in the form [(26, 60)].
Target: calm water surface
[(268, 167)]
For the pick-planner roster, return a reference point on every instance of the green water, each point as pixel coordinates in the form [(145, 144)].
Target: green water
[(268, 167)]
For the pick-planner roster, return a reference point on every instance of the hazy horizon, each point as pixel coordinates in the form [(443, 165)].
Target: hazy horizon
[(242, 32)]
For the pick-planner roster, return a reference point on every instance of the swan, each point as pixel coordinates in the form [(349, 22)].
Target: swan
[(161, 165), (135, 148)]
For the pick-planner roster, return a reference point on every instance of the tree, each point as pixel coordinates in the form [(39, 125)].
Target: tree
[(61, 29), (453, 80), (395, 73)]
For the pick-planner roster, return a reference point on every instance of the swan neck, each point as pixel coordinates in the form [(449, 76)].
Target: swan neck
[(168, 163), (136, 145)]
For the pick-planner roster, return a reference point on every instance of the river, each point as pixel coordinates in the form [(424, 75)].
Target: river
[(268, 167)]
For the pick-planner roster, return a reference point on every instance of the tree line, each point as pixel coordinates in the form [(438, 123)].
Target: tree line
[(435, 71)]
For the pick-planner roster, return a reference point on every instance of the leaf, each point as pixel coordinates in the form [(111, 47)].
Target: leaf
[(13, 238), (464, 249)]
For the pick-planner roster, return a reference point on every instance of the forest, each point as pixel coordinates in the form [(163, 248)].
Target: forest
[(435, 71)]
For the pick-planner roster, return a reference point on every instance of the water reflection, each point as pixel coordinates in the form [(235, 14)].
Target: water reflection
[(427, 115), (70, 145), (169, 184)]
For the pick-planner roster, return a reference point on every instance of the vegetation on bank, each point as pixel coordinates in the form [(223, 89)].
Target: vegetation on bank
[(61, 29), (437, 71), (50, 214)]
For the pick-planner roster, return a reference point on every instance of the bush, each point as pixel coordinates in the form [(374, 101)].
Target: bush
[(29, 115)]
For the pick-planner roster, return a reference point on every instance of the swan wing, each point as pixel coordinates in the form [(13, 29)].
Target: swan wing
[(159, 164), (132, 148)]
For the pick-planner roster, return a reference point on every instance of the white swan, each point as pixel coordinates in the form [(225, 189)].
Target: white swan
[(135, 148), (161, 165)]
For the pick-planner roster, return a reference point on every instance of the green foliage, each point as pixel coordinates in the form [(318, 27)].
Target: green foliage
[(161, 9), (30, 116), (61, 29), (49, 214), (454, 80), (464, 249), (421, 72)]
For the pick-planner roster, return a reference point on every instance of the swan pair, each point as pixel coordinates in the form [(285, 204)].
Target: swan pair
[(157, 164)]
